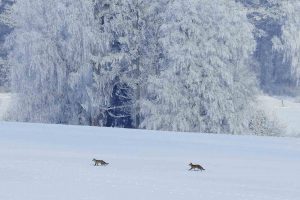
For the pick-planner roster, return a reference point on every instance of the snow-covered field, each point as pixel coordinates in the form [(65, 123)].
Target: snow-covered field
[(288, 113), (54, 162)]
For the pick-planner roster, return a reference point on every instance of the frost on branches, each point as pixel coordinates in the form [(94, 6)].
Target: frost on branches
[(6, 24), (50, 59), (180, 65), (6, 12), (289, 43), (4, 73), (276, 31), (263, 123), (206, 86), (126, 57)]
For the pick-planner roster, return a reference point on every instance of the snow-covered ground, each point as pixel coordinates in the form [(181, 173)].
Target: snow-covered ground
[(54, 162), (288, 113), (4, 103)]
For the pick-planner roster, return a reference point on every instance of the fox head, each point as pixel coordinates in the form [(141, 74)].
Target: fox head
[(94, 159), (190, 164)]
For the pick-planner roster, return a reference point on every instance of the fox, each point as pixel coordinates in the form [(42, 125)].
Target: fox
[(101, 162), (196, 166)]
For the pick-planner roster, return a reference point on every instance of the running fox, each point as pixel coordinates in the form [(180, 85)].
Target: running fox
[(101, 162), (196, 166)]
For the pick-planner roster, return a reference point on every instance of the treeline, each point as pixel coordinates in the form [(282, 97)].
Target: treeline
[(180, 65)]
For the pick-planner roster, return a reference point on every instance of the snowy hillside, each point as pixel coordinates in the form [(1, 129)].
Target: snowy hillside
[(286, 110), (55, 162)]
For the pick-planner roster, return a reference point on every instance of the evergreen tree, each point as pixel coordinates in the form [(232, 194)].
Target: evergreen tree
[(126, 59)]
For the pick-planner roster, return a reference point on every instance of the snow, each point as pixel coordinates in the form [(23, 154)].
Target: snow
[(4, 103), (288, 114), (49, 162)]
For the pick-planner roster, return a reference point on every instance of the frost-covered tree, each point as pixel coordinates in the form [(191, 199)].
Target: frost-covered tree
[(206, 85), (4, 73), (169, 65), (263, 123), (288, 44), (86, 61), (50, 59), (6, 12), (126, 59), (6, 25), (111, 63), (276, 32), (267, 18)]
